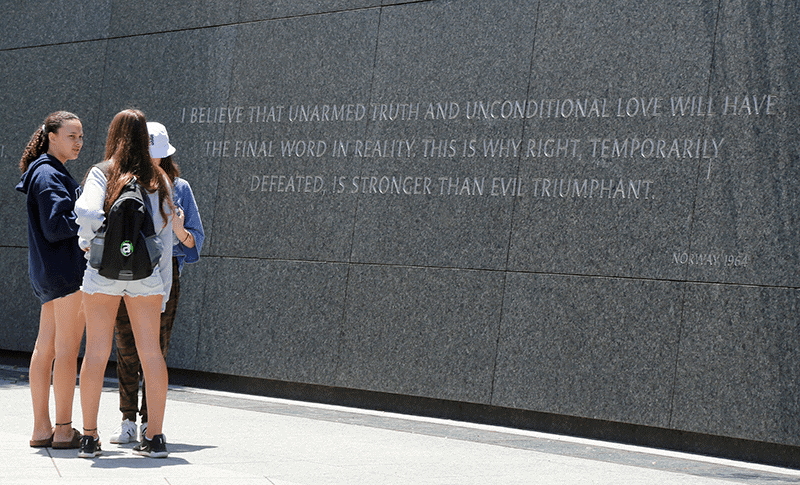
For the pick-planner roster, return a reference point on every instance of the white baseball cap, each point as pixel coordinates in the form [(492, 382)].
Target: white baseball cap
[(159, 141)]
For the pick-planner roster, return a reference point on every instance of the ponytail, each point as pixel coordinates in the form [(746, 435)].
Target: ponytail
[(36, 146)]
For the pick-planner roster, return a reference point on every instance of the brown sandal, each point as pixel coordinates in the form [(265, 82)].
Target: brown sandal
[(45, 443), (73, 443)]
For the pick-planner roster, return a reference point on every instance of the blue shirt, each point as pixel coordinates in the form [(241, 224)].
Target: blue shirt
[(184, 199)]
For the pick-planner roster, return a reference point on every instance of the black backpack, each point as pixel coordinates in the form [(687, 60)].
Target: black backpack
[(126, 246)]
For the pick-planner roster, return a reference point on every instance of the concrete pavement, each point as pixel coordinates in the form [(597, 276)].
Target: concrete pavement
[(223, 438)]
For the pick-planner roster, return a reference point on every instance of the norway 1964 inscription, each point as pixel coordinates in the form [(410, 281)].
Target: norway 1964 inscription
[(711, 259)]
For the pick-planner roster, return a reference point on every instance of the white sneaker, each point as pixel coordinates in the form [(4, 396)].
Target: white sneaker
[(125, 433)]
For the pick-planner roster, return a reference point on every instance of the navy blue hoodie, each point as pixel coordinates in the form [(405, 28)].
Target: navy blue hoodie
[(55, 262)]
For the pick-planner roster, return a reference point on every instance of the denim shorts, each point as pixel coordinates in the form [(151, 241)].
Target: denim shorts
[(93, 283)]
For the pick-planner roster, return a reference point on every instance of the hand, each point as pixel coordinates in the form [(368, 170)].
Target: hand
[(177, 221)]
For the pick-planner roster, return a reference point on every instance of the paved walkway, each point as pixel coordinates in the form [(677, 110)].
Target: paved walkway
[(223, 438)]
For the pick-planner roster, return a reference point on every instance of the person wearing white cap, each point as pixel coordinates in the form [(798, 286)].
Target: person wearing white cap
[(188, 230)]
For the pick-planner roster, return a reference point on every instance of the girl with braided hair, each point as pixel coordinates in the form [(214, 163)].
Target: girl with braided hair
[(56, 266)]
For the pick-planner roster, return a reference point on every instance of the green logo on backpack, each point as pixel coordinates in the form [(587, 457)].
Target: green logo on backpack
[(126, 248)]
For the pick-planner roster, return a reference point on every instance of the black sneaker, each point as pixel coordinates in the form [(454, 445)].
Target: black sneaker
[(154, 448), (90, 447)]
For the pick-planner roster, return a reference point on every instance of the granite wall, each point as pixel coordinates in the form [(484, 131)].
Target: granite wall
[(583, 208)]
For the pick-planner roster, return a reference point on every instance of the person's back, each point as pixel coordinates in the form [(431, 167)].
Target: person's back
[(127, 152), (126, 246)]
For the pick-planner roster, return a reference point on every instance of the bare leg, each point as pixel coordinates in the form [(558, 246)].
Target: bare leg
[(40, 371), (101, 311), (70, 323), (145, 316)]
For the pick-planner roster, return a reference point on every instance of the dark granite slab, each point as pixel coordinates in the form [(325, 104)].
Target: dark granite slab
[(420, 331), (600, 348), (135, 17), (436, 204), (737, 366), (277, 9), (275, 320), (20, 321), (278, 173), (30, 91), (397, 2), (187, 326), (610, 171), (30, 24), (747, 208)]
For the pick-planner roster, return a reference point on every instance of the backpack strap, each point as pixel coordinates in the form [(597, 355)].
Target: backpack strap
[(105, 167), (150, 228), (146, 199), (154, 246)]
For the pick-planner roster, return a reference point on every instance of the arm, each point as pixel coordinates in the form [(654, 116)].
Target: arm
[(56, 207), (181, 232), (89, 207), (164, 230)]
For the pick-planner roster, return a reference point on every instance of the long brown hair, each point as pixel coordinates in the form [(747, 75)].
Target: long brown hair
[(40, 142), (128, 148), (171, 168)]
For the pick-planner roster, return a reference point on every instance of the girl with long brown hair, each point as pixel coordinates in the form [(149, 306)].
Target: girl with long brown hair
[(127, 150), (56, 267)]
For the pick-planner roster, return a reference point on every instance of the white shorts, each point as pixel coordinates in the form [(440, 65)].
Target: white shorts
[(93, 283)]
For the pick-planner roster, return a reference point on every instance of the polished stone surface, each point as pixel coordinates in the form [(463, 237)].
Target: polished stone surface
[(436, 58), (278, 174), (747, 203), (737, 363), (420, 332), (29, 24), (599, 348), (293, 313), (20, 314), (591, 209), (276, 9), (136, 17)]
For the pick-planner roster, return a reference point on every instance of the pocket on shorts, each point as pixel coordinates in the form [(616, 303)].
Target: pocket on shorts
[(98, 280), (153, 282)]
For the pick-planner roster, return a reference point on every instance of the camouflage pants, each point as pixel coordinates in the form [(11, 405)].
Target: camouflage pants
[(129, 370)]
